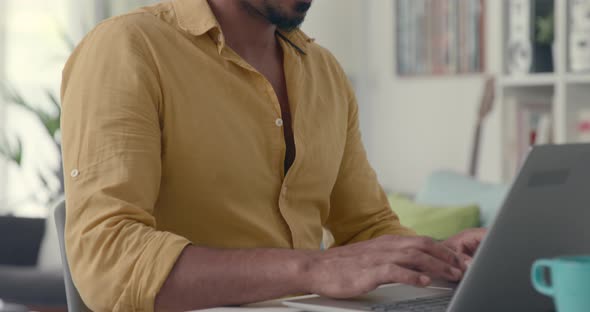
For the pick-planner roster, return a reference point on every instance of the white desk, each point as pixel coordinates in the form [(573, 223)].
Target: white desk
[(276, 306), (266, 306)]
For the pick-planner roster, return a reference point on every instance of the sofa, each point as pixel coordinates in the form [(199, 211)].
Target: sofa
[(448, 203)]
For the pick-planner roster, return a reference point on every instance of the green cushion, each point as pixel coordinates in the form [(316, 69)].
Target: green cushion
[(435, 221)]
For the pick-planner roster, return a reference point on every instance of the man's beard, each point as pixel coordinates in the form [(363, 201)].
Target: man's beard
[(274, 15)]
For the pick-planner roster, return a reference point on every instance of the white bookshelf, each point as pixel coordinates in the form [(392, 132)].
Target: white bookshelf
[(528, 80), (577, 78), (567, 93)]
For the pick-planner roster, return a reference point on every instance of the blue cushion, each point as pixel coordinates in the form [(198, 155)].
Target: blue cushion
[(446, 188)]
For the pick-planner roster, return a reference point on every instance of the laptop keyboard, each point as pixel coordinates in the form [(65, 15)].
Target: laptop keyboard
[(427, 304)]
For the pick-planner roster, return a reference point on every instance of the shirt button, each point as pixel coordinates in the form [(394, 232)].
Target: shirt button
[(279, 122), (75, 173)]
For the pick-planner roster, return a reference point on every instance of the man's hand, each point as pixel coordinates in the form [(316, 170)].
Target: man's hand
[(466, 243), (356, 269)]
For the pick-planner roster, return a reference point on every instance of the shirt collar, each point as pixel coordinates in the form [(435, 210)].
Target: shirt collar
[(197, 18), (297, 39)]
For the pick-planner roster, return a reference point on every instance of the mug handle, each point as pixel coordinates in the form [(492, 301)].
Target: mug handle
[(538, 277)]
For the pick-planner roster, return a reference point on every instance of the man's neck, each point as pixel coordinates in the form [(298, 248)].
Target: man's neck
[(247, 32)]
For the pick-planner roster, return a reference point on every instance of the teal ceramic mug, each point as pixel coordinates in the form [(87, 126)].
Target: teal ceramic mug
[(569, 282)]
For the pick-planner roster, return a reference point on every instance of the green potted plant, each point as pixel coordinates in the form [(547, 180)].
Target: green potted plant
[(543, 43), (12, 149)]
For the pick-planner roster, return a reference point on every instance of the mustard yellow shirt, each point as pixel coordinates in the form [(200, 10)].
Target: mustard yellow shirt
[(170, 138)]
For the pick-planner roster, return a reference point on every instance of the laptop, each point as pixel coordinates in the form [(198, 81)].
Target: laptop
[(546, 214)]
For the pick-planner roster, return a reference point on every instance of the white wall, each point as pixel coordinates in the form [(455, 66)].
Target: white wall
[(337, 25), (340, 26), (415, 125)]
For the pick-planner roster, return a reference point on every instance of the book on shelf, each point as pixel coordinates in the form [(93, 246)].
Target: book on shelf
[(531, 124), (544, 129), (519, 54), (583, 126), (437, 37), (579, 36)]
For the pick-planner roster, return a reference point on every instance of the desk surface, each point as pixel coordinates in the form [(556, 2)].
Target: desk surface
[(277, 306), (266, 306)]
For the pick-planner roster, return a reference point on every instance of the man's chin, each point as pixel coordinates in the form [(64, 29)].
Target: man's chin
[(290, 25), (302, 6)]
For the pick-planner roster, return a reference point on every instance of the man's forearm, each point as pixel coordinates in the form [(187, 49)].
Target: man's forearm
[(204, 277)]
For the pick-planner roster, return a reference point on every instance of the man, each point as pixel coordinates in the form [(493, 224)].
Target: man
[(207, 144)]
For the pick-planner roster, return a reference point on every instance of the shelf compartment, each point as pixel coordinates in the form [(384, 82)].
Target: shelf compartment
[(529, 80), (578, 112), (578, 78)]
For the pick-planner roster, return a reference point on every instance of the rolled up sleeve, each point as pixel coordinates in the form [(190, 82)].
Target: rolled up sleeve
[(111, 140), (359, 207)]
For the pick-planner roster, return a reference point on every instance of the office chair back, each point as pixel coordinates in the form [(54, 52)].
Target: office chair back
[(75, 303)]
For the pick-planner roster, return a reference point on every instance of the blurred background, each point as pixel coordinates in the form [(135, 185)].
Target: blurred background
[(412, 124), (434, 133)]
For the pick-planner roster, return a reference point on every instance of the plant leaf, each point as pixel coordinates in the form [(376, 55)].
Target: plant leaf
[(11, 95), (5, 152), (43, 180), (18, 153), (52, 123), (53, 99), (67, 40), (14, 154)]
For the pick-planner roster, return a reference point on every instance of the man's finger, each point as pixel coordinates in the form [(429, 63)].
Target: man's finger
[(467, 260), (438, 250), (472, 245), (431, 265), (393, 273)]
